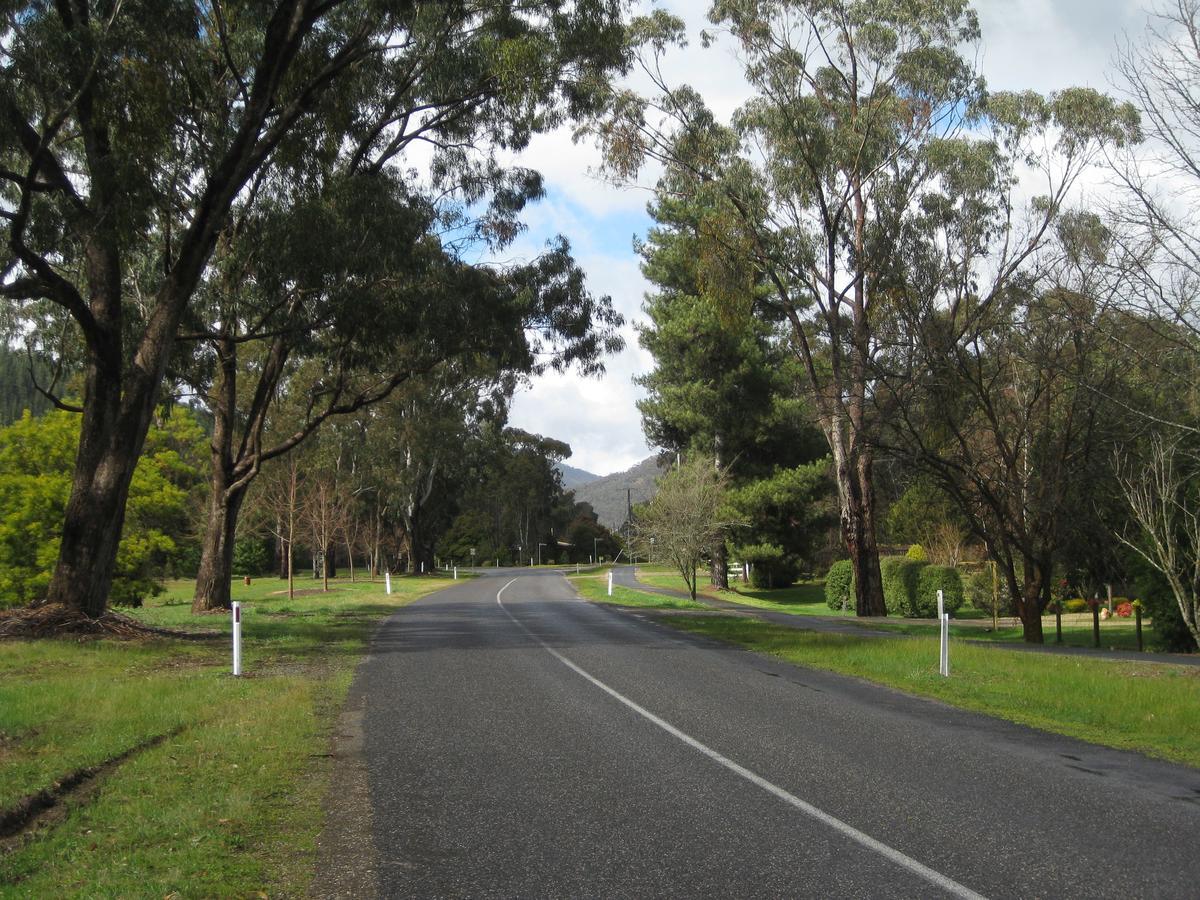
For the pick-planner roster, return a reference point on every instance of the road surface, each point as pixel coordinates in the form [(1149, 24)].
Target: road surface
[(521, 742)]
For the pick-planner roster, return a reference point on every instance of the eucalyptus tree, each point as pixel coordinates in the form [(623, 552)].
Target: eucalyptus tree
[(821, 177), (418, 443), (366, 303), (132, 129), (807, 183)]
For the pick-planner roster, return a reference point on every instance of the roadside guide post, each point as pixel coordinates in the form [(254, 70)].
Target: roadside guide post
[(387, 581), (944, 622), (237, 638), (610, 582)]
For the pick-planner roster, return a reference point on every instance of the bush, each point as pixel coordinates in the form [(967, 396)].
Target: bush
[(1125, 610), (839, 585), (1075, 605), (917, 552), (930, 581), (900, 578), (251, 556), (770, 565)]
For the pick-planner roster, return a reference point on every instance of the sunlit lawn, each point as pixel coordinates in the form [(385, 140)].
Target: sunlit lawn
[(228, 802)]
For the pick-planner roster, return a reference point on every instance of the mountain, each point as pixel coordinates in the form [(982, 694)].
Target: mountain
[(572, 477), (608, 494)]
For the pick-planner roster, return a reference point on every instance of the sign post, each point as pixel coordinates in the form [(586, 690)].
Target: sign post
[(237, 638)]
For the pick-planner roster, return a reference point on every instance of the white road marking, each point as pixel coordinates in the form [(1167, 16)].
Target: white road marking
[(949, 885)]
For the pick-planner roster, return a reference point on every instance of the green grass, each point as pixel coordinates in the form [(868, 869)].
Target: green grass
[(808, 599), (229, 802), (595, 588), (1154, 709)]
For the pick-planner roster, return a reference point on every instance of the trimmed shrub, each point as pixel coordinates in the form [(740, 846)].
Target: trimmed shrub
[(770, 566), (1075, 605), (900, 579), (939, 578), (917, 552), (839, 585)]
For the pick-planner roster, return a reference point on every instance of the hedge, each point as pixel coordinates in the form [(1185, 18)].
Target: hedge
[(930, 581), (839, 585), (901, 576)]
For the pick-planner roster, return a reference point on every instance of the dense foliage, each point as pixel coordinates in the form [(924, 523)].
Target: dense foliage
[(36, 456)]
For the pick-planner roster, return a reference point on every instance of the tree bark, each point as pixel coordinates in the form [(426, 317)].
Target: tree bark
[(116, 417), (215, 576), (719, 576), (95, 512), (853, 471)]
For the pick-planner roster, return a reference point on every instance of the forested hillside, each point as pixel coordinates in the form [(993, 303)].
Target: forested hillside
[(608, 495)]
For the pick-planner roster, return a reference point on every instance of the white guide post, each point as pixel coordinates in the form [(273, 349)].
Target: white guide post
[(237, 638), (422, 568), (387, 581), (456, 573), (944, 629), (610, 582)]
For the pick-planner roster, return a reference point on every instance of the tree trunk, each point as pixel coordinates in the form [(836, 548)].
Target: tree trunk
[(279, 549), (719, 576), (1032, 600), (215, 576), (858, 530), (329, 555), (111, 436), (216, 556)]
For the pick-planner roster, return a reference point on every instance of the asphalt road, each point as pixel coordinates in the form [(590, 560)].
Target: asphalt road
[(523, 743)]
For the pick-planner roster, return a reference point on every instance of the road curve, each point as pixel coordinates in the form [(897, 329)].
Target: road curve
[(534, 745)]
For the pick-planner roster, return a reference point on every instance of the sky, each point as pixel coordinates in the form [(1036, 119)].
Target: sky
[(1043, 45)]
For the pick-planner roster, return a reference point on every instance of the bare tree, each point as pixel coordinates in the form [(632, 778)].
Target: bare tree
[(321, 515), (1160, 491), (283, 498)]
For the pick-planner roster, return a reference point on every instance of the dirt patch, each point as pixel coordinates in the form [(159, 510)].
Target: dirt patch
[(55, 620), (347, 862)]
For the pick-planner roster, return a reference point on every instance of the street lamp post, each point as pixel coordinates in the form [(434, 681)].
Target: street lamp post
[(540, 546)]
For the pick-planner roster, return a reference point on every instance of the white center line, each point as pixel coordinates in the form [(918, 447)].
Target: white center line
[(949, 885)]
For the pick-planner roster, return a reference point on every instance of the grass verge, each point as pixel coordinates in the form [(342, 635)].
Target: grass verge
[(1154, 709), (220, 791), (808, 599), (595, 588)]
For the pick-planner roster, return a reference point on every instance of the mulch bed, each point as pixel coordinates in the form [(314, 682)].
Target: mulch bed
[(56, 620)]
